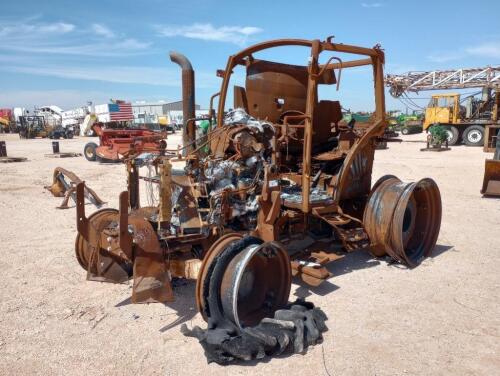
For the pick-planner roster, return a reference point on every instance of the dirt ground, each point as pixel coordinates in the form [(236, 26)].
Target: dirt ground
[(440, 318)]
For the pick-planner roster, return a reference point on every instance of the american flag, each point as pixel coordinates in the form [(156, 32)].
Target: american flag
[(121, 111)]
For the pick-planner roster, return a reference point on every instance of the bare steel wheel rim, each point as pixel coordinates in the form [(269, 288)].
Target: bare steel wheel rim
[(244, 281), (403, 219), (97, 220)]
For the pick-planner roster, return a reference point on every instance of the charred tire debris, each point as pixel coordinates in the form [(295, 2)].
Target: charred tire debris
[(292, 330), (278, 187)]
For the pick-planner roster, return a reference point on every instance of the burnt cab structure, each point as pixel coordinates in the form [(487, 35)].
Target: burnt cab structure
[(284, 189)]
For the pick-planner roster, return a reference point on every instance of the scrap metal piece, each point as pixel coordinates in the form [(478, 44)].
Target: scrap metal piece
[(12, 159), (62, 188), (63, 155), (141, 245), (151, 277)]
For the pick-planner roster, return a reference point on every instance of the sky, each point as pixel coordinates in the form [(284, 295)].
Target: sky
[(66, 53)]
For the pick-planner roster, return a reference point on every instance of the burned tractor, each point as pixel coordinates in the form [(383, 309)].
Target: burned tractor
[(279, 187)]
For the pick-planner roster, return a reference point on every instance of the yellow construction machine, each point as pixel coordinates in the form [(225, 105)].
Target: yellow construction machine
[(466, 122)]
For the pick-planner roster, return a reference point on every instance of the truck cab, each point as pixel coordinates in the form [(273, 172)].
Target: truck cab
[(442, 109)]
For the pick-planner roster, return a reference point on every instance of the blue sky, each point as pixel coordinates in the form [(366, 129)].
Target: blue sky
[(68, 52)]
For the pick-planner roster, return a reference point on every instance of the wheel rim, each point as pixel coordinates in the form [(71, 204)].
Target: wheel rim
[(243, 281), (403, 219), (474, 136), (82, 249), (450, 135), (256, 282), (89, 152)]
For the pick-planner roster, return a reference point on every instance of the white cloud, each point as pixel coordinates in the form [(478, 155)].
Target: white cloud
[(115, 74), (102, 30), (444, 57), (33, 36), (59, 27), (484, 50), (35, 29), (122, 48), (372, 5), (206, 31), (491, 49), (156, 76)]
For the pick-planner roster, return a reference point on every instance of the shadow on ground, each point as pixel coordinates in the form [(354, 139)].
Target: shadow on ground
[(439, 249), (349, 263), (184, 303), (184, 290)]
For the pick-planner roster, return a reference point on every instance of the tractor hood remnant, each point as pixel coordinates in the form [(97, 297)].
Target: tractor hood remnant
[(188, 100), (292, 330), (62, 188), (234, 207)]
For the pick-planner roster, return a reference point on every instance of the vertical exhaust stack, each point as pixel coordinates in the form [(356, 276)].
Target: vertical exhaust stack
[(188, 100)]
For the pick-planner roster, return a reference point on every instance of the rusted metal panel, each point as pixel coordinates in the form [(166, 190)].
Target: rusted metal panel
[(273, 89)]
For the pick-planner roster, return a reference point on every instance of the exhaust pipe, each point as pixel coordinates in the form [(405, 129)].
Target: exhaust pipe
[(188, 101)]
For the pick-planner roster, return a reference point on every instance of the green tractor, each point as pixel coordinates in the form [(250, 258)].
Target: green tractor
[(410, 124)]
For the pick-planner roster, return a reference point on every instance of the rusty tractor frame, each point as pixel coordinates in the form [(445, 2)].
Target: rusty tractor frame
[(278, 188)]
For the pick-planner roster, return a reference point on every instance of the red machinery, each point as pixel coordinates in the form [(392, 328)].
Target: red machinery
[(116, 143), (6, 123)]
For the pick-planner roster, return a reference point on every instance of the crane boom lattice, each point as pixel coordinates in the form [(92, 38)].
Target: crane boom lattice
[(443, 79)]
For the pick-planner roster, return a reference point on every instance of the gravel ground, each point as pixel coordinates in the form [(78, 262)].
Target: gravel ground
[(440, 318)]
